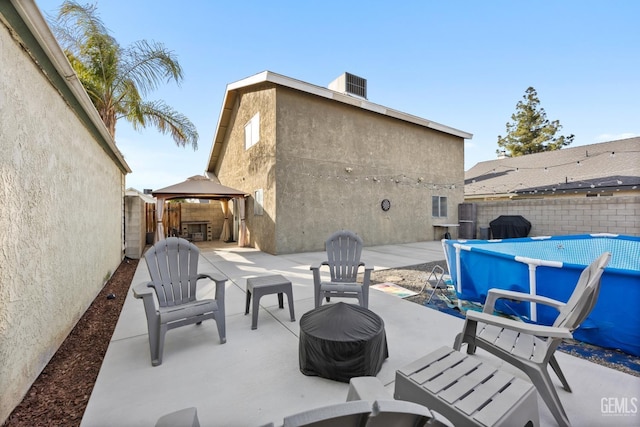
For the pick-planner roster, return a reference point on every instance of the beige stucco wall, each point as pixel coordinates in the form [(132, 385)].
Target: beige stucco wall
[(336, 163), (309, 192), (562, 216), (60, 222), (253, 169)]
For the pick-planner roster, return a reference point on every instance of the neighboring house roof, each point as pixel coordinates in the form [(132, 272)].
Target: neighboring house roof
[(198, 187), (32, 32), (267, 76), (596, 168)]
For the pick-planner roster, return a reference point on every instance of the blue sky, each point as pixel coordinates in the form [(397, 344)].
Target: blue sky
[(464, 64)]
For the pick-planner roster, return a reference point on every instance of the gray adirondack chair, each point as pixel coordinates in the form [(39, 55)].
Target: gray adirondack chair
[(531, 347), (170, 297), (361, 413), (343, 259)]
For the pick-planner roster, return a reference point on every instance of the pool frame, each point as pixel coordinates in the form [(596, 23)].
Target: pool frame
[(476, 266)]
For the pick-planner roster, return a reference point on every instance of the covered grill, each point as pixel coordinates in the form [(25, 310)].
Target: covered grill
[(509, 226)]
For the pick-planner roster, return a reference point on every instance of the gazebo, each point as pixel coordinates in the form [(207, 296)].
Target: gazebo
[(203, 187)]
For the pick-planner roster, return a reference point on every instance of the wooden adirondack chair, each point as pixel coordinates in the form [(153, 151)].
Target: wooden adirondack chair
[(170, 297), (531, 347), (343, 259)]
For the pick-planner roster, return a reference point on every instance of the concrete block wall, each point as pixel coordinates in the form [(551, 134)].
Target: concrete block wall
[(549, 217), (134, 226), (211, 211)]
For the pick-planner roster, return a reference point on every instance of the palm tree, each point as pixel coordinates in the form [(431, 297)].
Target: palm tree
[(116, 78)]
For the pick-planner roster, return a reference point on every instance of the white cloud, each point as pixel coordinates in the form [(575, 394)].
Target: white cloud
[(606, 137)]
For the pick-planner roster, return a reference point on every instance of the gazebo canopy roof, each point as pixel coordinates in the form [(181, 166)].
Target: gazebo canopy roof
[(198, 187)]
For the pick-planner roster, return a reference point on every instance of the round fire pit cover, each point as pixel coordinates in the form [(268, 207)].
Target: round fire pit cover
[(341, 341)]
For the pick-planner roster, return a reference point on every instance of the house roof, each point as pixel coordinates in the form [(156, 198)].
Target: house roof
[(604, 167), (267, 76), (198, 187)]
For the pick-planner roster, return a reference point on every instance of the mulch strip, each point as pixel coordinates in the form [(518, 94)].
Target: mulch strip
[(60, 395)]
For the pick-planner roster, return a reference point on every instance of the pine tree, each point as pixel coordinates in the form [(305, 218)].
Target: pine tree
[(531, 132)]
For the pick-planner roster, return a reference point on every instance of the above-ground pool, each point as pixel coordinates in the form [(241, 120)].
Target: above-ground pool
[(550, 266)]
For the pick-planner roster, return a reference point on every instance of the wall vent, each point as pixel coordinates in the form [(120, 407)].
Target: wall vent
[(350, 84)]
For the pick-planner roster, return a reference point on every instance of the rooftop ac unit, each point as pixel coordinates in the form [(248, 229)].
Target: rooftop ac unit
[(350, 84)]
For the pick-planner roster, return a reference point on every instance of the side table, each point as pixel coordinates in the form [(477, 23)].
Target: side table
[(265, 285)]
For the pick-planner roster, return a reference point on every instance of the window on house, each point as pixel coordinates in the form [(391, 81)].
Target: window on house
[(257, 202), (252, 132), (438, 206)]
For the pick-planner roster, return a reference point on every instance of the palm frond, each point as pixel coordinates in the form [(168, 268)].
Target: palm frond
[(148, 64), (75, 25), (130, 101), (116, 78), (169, 121)]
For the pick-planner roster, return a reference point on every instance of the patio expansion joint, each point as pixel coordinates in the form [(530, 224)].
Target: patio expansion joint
[(129, 337)]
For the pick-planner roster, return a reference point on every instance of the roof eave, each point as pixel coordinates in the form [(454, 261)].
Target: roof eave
[(208, 196)]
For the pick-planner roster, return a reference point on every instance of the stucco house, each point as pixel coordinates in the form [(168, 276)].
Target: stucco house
[(586, 189), (316, 159), (62, 190)]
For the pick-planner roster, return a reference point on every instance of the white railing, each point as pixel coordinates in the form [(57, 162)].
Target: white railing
[(531, 262)]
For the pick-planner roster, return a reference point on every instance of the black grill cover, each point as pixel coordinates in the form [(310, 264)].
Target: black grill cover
[(509, 226), (341, 341)]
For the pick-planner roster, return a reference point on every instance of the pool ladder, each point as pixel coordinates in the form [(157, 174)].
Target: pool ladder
[(436, 280)]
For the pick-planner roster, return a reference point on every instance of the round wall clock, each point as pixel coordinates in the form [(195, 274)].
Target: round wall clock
[(386, 205)]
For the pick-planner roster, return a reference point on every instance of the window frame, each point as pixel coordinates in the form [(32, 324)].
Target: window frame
[(252, 131), (439, 207)]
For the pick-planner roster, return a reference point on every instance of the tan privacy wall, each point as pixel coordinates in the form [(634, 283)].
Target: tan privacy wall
[(60, 220), (562, 216)]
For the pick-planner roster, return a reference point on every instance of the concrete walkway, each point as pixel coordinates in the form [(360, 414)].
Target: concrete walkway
[(255, 379)]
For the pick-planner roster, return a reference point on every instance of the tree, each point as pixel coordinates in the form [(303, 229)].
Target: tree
[(531, 132), (117, 79)]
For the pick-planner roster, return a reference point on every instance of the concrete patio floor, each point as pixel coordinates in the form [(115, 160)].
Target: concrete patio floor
[(255, 378)]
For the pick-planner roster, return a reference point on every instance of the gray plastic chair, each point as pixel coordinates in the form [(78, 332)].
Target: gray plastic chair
[(531, 347), (187, 417), (170, 297), (361, 413), (343, 259)]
